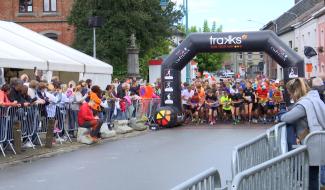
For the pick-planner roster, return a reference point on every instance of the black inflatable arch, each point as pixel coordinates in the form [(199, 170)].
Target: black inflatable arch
[(267, 41)]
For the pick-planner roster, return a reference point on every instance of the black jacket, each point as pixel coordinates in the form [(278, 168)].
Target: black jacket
[(14, 95)]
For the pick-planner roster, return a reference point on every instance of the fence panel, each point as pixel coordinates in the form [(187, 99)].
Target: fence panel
[(289, 171), (260, 149), (3, 127), (145, 109), (207, 180)]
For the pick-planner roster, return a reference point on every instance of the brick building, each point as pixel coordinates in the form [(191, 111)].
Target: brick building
[(47, 17)]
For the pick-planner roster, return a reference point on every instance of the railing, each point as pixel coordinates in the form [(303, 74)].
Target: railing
[(34, 119), (28, 119), (207, 180), (260, 149), (315, 143), (289, 171)]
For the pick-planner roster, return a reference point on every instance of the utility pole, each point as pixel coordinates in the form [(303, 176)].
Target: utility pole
[(94, 44), (188, 66)]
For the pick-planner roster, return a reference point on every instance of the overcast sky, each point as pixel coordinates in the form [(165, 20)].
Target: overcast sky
[(233, 15)]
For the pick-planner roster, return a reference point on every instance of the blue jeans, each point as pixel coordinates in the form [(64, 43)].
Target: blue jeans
[(291, 136), (322, 175)]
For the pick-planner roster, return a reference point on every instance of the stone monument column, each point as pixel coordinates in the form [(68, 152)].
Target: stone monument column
[(133, 58)]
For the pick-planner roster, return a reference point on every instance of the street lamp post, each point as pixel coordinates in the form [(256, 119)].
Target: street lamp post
[(188, 66)]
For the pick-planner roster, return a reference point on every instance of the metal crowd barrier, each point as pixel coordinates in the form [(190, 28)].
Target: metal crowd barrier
[(260, 149), (3, 128), (34, 119), (315, 143), (207, 180), (28, 118), (142, 109), (289, 171), (286, 171), (146, 109), (59, 113)]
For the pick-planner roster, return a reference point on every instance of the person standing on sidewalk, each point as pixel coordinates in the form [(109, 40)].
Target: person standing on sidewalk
[(307, 115)]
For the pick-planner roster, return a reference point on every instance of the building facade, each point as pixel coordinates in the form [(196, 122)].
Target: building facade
[(306, 35), (289, 39), (298, 27), (248, 64), (321, 42), (47, 17)]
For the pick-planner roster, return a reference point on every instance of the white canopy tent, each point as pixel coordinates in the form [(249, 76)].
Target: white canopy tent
[(10, 56), (92, 65), (55, 56)]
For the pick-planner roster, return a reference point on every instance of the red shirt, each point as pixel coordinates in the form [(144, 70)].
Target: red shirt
[(4, 100), (262, 94), (85, 114)]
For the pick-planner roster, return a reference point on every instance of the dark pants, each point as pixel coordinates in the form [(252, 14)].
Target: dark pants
[(94, 126), (313, 177), (313, 170), (291, 136)]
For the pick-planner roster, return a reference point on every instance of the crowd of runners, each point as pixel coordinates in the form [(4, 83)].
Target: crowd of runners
[(256, 100)]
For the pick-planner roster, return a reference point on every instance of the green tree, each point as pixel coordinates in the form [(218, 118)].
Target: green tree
[(145, 18), (206, 26), (214, 27), (210, 61), (193, 29)]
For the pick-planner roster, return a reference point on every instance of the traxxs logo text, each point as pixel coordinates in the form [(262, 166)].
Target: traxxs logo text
[(225, 40)]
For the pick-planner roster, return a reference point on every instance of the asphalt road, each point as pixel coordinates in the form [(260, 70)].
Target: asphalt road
[(158, 160)]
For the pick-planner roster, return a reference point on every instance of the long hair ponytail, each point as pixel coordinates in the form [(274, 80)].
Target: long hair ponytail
[(297, 88)]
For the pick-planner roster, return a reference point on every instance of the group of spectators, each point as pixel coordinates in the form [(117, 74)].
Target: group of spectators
[(86, 102), (237, 100)]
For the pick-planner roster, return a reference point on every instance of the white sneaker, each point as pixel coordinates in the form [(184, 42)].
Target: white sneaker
[(28, 145), (60, 140)]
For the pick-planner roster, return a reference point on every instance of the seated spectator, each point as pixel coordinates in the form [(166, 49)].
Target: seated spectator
[(4, 100), (86, 119)]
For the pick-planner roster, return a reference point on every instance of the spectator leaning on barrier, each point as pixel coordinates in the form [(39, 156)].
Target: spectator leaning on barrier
[(86, 119), (15, 92), (307, 115), (95, 96), (25, 79), (33, 85), (89, 84), (4, 100)]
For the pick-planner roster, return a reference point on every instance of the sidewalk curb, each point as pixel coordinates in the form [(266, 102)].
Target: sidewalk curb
[(63, 150)]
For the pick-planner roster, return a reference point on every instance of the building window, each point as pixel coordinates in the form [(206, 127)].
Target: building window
[(249, 55), (49, 5), (52, 36), (240, 55), (261, 55), (25, 6), (290, 44)]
